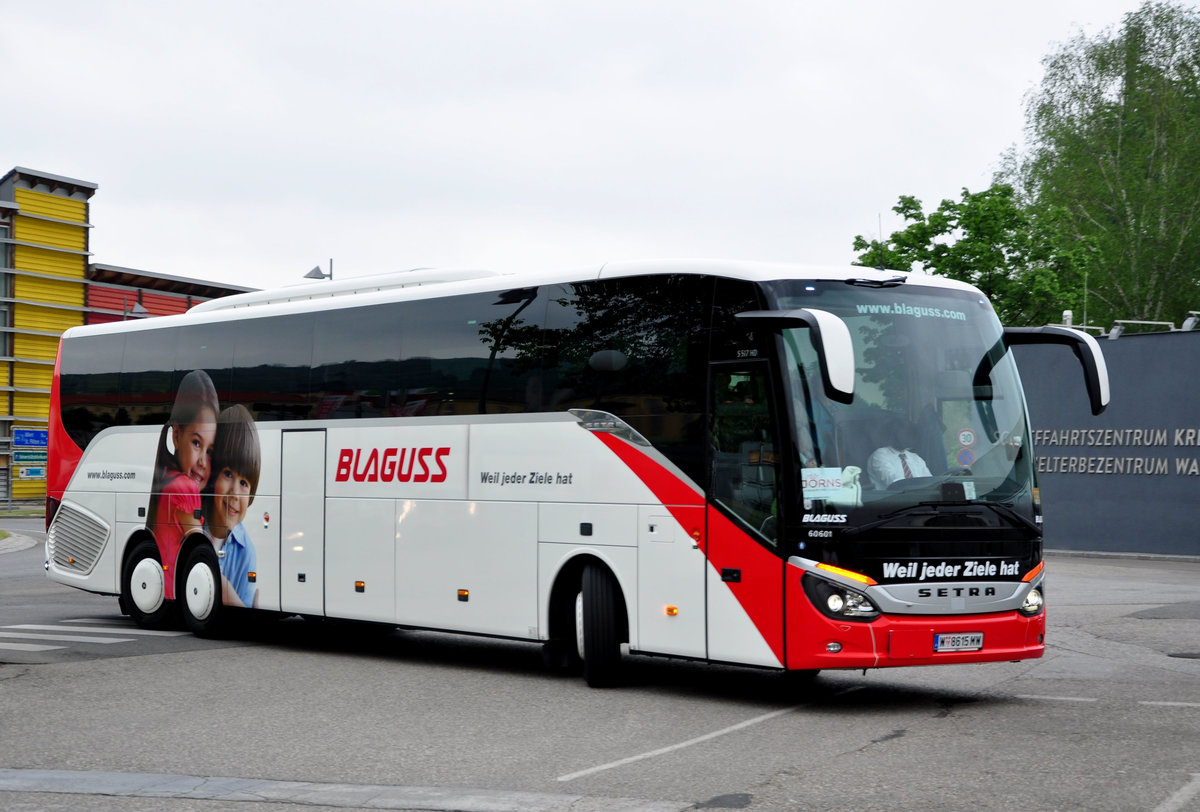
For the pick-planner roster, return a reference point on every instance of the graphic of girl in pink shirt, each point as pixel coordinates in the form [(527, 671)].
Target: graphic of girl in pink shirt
[(182, 469)]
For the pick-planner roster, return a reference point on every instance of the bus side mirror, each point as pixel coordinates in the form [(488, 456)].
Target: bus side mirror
[(1086, 349), (830, 337)]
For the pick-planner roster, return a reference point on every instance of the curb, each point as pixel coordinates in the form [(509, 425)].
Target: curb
[(1192, 559), (15, 542)]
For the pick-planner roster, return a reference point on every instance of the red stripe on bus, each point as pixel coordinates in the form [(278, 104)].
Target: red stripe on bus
[(760, 591), (64, 455)]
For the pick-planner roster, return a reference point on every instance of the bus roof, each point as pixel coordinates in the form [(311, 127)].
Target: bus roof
[(430, 283)]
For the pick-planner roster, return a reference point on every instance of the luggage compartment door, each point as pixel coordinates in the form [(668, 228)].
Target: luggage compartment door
[(302, 523)]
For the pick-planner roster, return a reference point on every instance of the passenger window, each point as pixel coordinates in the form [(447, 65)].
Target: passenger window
[(477, 354), (272, 362), (208, 347), (635, 347), (89, 380), (147, 368), (356, 365)]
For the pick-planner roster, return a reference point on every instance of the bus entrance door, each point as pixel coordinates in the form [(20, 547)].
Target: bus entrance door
[(302, 523), (744, 577)]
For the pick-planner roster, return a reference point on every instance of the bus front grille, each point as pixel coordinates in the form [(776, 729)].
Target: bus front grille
[(76, 539)]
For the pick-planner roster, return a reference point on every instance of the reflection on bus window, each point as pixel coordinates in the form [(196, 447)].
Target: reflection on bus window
[(933, 381), (745, 460)]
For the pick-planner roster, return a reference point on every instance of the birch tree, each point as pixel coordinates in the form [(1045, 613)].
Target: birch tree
[(1113, 151)]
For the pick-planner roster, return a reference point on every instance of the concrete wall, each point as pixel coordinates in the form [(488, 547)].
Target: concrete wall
[(1128, 480)]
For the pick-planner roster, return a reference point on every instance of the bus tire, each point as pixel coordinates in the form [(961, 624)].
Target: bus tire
[(599, 636), (200, 598), (143, 586)]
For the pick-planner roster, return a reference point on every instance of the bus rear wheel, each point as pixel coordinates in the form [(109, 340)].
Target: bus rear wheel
[(598, 634), (143, 586), (201, 599)]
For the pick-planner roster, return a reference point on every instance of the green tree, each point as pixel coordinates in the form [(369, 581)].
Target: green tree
[(989, 240), (1100, 211), (1114, 152)]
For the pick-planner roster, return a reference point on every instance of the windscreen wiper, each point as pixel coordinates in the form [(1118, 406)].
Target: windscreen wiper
[(933, 509), (919, 509), (1010, 513)]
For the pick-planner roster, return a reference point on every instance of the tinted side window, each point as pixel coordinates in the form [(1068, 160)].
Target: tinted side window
[(477, 354), (89, 386), (462, 355), (514, 332), (732, 340), (147, 376), (208, 347), (356, 364), (272, 361), (637, 348), (444, 358)]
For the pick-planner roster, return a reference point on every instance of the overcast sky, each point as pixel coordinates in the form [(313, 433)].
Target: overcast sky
[(246, 142)]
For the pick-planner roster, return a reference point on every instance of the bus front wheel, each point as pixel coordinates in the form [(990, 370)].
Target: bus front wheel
[(201, 598), (597, 630), (143, 587)]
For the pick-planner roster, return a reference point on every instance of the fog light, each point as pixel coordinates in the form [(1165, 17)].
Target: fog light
[(1033, 602), (833, 648)]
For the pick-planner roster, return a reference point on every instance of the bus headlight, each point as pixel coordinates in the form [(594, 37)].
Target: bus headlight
[(1033, 603), (836, 601)]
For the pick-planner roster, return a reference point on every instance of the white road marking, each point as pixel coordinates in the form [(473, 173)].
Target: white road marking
[(1153, 703), (27, 647), (304, 793), (66, 638), (1185, 793), (681, 745), (98, 629)]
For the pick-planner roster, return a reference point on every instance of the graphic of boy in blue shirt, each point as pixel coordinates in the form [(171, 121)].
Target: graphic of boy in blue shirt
[(236, 460)]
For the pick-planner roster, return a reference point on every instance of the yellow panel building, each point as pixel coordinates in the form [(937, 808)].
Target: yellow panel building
[(47, 284), (44, 230)]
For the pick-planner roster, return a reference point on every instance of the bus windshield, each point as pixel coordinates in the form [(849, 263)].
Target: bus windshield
[(937, 419)]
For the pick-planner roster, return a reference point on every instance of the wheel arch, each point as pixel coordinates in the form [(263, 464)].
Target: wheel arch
[(567, 581), (131, 542), (163, 612)]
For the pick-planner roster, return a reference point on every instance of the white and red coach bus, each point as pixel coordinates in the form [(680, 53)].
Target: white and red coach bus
[(689, 459)]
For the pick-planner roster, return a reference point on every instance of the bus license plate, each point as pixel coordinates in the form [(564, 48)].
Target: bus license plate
[(963, 641)]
